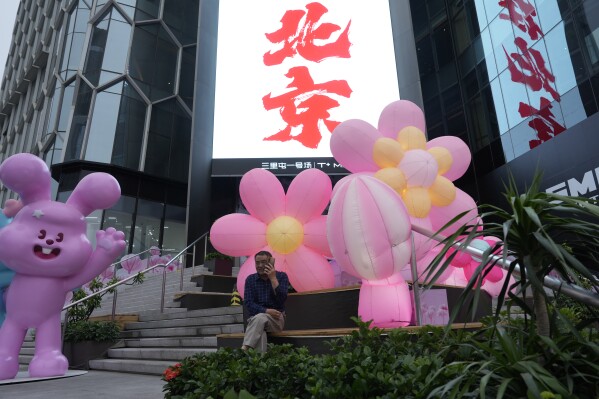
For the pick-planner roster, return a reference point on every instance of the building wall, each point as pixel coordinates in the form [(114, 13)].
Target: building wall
[(100, 85), (506, 76)]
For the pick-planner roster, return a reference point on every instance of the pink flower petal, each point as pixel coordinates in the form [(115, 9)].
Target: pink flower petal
[(238, 234), (262, 194), (398, 115), (440, 216), (315, 236), (248, 267), (352, 143), (308, 195), (459, 152), (309, 271)]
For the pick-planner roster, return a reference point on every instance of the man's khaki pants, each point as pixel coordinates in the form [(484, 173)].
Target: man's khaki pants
[(258, 325)]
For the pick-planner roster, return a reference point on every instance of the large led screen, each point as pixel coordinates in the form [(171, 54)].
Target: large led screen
[(288, 72)]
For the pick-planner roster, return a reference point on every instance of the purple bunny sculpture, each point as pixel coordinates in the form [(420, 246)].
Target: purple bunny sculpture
[(47, 247)]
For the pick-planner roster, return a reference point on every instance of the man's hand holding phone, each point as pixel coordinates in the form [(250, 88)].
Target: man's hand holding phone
[(269, 269)]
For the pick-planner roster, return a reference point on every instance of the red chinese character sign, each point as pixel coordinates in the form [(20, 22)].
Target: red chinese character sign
[(529, 87), (298, 32), (310, 66), (305, 105)]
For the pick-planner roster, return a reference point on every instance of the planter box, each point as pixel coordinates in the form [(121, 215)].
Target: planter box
[(221, 267), (80, 353)]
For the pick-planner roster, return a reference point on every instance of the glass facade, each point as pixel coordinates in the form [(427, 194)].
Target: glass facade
[(113, 85), (123, 96), (506, 76)]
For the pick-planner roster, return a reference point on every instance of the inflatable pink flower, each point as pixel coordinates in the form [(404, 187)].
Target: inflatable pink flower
[(290, 226), (398, 154)]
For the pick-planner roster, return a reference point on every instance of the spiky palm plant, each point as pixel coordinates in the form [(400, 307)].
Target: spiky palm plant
[(539, 232)]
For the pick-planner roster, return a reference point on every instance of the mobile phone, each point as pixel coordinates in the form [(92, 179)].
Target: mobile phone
[(272, 262)]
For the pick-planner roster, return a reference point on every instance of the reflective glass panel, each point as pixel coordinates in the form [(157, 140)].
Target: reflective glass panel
[(120, 216), (93, 220), (558, 56), (65, 108), (186, 83), (74, 40), (118, 119), (54, 108), (181, 16), (514, 94), (548, 13), (147, 225), (174, 235), (502, 37), (587, 19), (141, 10), (107, 53), (572, 107), (153, 62), (480, 13), (79, 122), (168, 141)]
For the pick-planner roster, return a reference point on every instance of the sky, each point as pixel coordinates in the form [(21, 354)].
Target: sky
[(7, 23)]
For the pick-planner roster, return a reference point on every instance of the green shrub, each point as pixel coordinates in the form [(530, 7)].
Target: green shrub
[(365, 364), (503, 361), (85, 330)]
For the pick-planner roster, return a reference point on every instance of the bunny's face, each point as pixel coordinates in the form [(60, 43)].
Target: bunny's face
[(46, 239)]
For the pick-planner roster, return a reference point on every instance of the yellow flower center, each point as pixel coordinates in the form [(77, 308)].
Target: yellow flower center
[(284, 234)]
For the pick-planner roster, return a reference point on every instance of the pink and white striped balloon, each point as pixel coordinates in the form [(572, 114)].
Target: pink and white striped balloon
[(368, 228)]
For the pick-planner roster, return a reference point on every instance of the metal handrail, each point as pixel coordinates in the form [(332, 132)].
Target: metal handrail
[(125, 280), (572, 290)]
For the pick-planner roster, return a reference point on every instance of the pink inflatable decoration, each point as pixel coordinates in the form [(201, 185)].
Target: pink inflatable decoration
[(368, 229), (387, 302), (397, 153), (47, 247), (422, 243), (465, 265), (460, 154), (369, 234), (463, 203), (291, 226), (422, 268)]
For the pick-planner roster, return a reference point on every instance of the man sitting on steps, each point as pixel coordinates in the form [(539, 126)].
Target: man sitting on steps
[(264, 300)]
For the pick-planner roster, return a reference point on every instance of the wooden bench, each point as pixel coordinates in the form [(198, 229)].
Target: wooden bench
[(315, 339)]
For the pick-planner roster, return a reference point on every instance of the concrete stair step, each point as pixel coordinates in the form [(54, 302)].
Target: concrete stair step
[(180, 342), (153, 367), (175, 354), (182, 331), (180, 313), (27, 351), (25, 359), (186, 322)]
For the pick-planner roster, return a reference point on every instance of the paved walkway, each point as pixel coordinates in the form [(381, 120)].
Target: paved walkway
[(94, 384)]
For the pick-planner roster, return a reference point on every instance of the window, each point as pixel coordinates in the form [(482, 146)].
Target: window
[(117, 128)]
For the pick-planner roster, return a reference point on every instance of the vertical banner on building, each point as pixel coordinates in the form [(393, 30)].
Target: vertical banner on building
[(532, 61), (288, 72)]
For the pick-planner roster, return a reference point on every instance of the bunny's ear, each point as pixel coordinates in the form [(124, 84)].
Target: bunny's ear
[(95, 191), (28, 176)]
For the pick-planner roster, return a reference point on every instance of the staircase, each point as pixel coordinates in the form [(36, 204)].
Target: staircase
[(159, 340), (133, 299)]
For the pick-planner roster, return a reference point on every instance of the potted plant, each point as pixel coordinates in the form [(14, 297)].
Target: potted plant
[(539, 232), (85, 340), (219, 264)]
